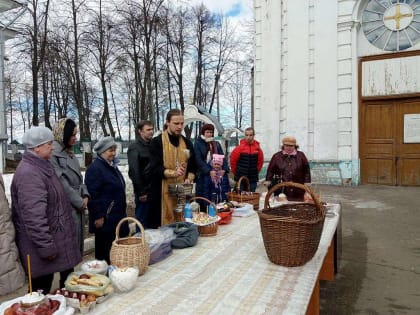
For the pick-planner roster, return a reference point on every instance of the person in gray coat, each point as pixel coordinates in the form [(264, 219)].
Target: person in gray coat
[(67, 168), (41, 214), (12, 276)]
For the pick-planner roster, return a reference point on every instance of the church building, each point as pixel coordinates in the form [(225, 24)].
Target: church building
[(343, 77)]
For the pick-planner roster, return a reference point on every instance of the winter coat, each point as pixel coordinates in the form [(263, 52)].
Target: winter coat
[(247, 160), (67, 168), (293, 168), (41, 213), (106, 186), (12, 275), (138, 154), (204, 185)]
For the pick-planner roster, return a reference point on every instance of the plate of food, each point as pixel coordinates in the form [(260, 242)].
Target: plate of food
[(203, 219), (88, 283), (36, 303)]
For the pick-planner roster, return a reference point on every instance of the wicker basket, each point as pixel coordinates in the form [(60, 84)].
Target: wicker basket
[(291, 232), (245, 196), (209, 229), (130, 251)]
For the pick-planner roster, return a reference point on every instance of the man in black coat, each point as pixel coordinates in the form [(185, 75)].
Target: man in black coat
[(138, 158), (172, 162)]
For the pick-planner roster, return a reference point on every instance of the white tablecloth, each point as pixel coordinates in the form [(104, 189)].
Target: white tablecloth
[(225, 274)]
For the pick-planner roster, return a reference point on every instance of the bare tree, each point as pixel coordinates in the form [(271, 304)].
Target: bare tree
[(226, 44), (75, 76), (178, 43), (204, 21), (99, 42), (37, 36)]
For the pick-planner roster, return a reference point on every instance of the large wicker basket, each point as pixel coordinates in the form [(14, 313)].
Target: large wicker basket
[(130, 251), (291, 232), (208, 229), (245, 196)]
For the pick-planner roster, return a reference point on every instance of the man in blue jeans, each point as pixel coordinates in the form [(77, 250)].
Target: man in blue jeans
[(138, 158)]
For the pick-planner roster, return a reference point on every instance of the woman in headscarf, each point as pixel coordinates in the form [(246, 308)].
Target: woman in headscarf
[(208, 179), (67, 168)]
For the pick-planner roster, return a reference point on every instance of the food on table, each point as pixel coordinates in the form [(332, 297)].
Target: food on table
[(95, 266), (86, 279), (87, 283), (282, 197), (32, 298), (124, 279), (203, 218), (46, 306)]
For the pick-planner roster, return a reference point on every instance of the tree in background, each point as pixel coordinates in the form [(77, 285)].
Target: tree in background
[(110, 64)]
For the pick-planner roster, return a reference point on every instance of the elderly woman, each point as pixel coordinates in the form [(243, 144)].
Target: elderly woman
[(67, 168), (107, 204), (209, 180), (41, 213), (12, 276), (290, 165)]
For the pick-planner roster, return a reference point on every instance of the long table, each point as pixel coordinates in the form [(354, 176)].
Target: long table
[(228, 274)]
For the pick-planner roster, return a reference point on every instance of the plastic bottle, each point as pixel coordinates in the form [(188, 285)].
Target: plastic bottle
[(212, 210), (187, 208)]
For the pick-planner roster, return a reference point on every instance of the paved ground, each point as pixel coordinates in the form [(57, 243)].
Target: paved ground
[(379, 269), (380, 260)]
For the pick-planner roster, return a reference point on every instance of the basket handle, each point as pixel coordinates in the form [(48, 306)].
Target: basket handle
[(238, 184), (205, 199), (117, 230), (296, 185)]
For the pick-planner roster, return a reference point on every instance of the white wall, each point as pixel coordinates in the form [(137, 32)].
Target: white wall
[(325, 61), (266, 72), (296, 68)]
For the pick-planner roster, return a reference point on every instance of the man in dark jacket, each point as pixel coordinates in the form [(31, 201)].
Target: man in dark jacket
[(173, 162), (138, 157), (247, 159)]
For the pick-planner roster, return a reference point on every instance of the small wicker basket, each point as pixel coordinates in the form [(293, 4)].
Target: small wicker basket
[(245, 196), (208, 229), (291, 232), (130, 251)]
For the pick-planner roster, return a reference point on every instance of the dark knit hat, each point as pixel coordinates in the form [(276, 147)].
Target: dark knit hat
[(207, 127)]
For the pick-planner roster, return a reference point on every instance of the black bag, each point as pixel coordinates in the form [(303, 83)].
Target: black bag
[(186, 234)]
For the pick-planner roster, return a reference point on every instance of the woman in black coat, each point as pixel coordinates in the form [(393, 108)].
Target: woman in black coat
[(107, 205), (205, 147)]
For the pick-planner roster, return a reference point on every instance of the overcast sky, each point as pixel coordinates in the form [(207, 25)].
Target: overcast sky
[(229, 7)]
